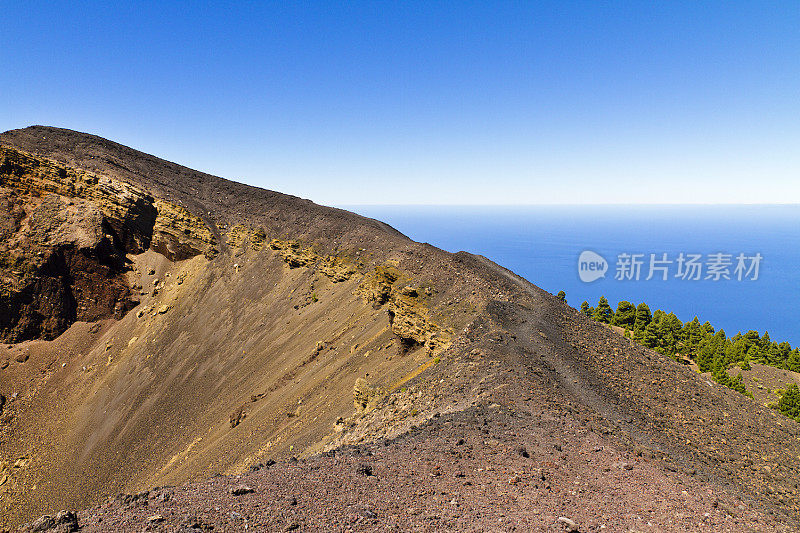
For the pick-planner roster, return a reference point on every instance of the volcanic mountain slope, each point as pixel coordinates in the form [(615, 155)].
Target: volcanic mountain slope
[(164, 325)]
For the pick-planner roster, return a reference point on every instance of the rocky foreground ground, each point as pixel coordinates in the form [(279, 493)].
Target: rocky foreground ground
[(468, 471)]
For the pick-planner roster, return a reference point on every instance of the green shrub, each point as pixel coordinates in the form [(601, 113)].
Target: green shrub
[(789, 403)]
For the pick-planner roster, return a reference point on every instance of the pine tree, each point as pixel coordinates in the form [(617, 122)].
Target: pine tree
[(752, 337), (764, 343), (710, 354), (650, 335), (793, 362), (692, 335), (736, 350), (722, 377), (603, 312), (625, 316), (745, 365), (774, 355), (784, 351), (643, 316)]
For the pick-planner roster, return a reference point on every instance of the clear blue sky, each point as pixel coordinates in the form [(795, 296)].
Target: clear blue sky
[(430, 102)]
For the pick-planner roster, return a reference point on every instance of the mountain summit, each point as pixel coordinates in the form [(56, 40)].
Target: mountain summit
[(283, 365)]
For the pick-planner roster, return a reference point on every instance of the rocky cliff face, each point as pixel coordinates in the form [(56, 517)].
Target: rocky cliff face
[(129, 211), (178, 234), (408, 308), (58, 265), (64, 237)]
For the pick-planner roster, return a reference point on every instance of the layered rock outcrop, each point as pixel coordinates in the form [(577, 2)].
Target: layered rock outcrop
[(178, 234), (64, 236), (128, 210), (409, 314), (58, 265), (337, 268), (411, 321), (240, 235)]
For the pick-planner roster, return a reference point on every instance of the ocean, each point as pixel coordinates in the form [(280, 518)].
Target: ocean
[(734, 266)]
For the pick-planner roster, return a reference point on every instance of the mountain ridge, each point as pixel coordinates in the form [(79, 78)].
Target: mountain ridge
[(310, 329)]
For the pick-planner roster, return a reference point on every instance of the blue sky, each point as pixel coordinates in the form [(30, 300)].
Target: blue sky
[(430, 102)]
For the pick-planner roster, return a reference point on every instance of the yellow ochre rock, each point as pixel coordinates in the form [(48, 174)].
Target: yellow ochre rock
[(336, 267), (293, 254), (409, 316), (240, 235), (139, 220), (366, 396), (411, 321), (178, 234), (128, 209)]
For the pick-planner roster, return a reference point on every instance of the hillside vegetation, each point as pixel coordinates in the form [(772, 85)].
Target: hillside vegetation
[(711, 350)]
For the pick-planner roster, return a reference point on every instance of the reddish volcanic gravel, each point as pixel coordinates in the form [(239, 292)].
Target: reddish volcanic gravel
[(485, 469)]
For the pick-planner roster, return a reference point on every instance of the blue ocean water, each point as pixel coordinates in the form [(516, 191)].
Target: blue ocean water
[(543, 243)]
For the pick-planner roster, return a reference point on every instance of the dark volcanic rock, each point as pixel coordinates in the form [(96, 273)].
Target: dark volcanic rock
[(240, 490), (64, 234), (58, 266)]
